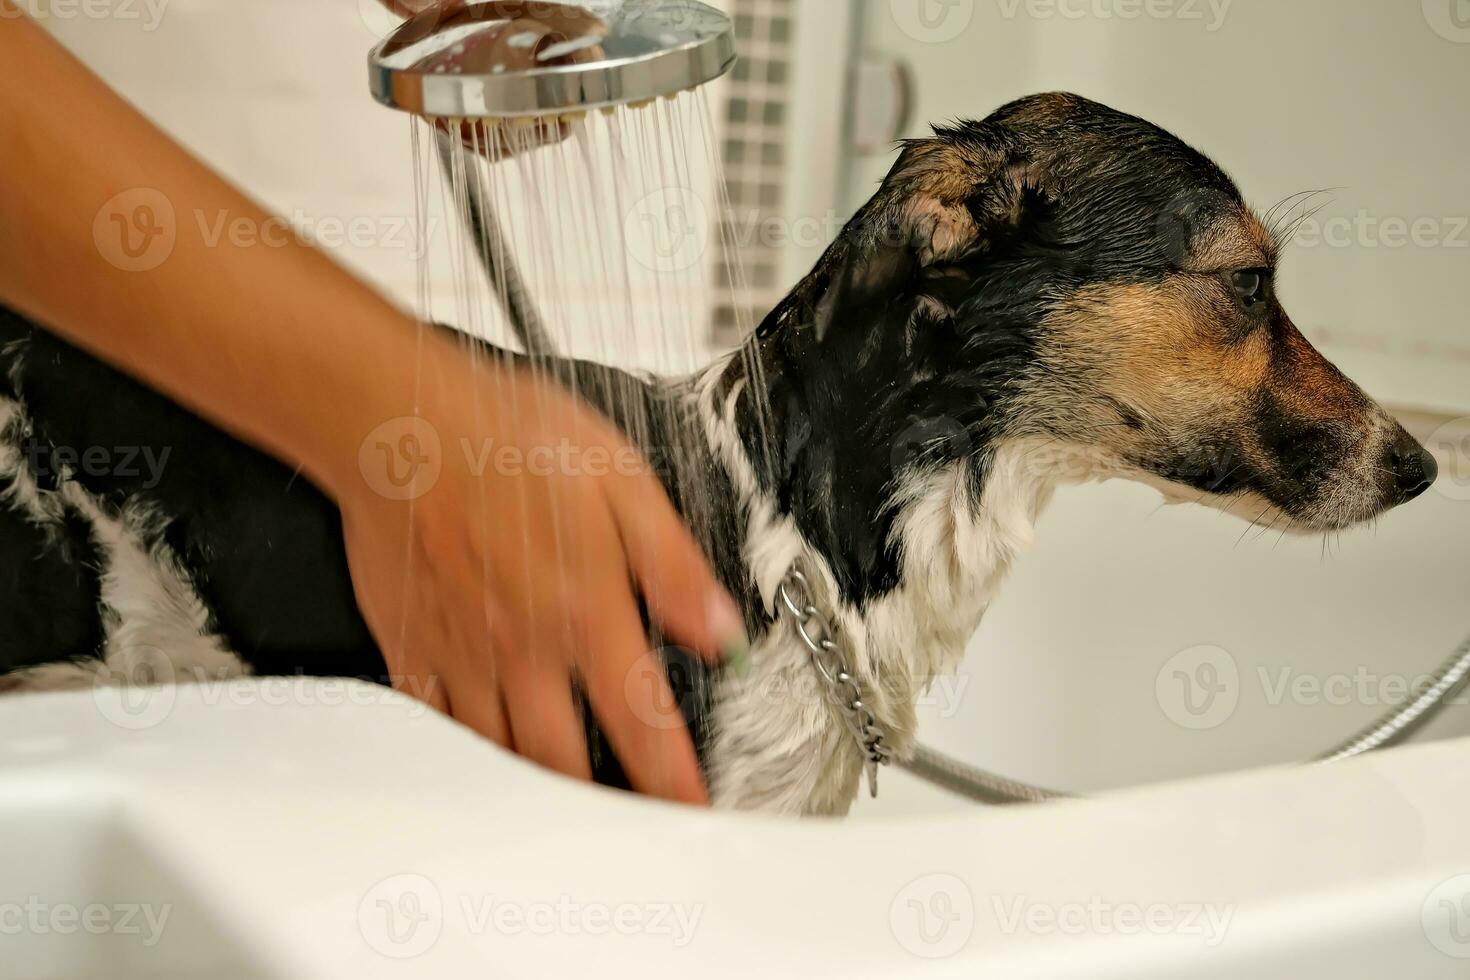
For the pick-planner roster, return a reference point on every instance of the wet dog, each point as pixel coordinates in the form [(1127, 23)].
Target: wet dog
[(1058, 293)]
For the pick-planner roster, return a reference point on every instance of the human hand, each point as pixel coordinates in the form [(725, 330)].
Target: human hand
[(492, 591)]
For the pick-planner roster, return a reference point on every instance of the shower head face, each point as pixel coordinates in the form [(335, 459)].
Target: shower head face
[(501, 59)]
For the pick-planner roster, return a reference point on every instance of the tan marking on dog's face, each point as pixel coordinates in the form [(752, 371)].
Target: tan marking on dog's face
[(1237, 242), (1308, 385), (1161, 351), (1177, 381)]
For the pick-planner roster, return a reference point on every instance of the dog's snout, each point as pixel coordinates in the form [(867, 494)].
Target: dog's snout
[(1413, 468)]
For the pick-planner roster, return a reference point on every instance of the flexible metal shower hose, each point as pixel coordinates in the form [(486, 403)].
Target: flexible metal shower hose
[(495, 256), (1400, 724), (976, 784)]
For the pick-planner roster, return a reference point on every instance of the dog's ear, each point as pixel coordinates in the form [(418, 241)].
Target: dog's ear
[(945, 194), (945, 198)]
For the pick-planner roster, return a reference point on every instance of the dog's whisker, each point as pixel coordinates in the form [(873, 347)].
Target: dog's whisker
[(1267, 528), (1252, 525), (1291, 200), (1281, 217), (1285, 530), (1290, 234)]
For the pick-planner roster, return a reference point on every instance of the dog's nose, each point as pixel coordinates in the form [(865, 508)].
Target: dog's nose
[(1414, 469)]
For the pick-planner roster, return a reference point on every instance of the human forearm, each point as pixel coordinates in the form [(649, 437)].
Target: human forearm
[(241, 332)]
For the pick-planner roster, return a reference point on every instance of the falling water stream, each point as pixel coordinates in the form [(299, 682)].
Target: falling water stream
[(613, 221)]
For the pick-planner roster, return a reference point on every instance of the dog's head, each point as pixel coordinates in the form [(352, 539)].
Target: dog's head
[(1091, 279)]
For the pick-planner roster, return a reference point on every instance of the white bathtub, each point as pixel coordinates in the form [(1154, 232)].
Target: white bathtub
[(314, 830)]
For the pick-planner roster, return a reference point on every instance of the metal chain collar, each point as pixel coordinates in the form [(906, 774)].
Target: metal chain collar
[(831, 660)]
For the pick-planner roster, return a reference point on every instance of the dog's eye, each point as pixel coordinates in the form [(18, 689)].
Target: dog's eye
[(1252, 286)]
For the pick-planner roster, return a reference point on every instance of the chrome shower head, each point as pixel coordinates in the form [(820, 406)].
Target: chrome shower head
[(502, 60)]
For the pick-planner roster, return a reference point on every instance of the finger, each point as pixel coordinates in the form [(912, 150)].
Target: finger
[(475, 703), (682, 593), (424, 686), (473, 690), (544, 719), (407, 674), (659, 759)]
